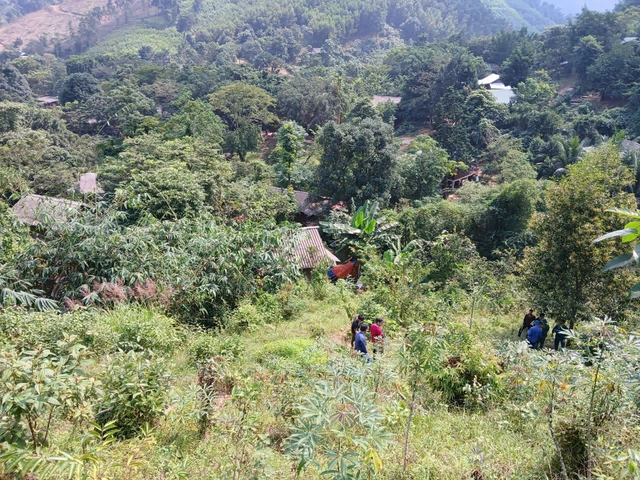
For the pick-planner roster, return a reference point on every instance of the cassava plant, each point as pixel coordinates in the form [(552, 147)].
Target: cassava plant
[(37, 386), (339, 431), (420, 357)]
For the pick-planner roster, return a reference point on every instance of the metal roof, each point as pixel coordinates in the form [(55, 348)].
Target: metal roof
[(378, 99), (489, 79), (47, 99), (309, 204), (88, 183), (30, 208), (628, 146), (310, 250), (503, 94)]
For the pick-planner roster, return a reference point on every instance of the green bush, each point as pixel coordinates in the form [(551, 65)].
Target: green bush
[(319, 283), (292, 349), (143, 329), (291, 301), (135, 385), (125, 328), (470, 373), (38, 386), (208, 346), (46, 329), (253, 313)]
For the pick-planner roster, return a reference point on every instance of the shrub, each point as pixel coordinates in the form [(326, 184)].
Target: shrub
[(291, 301), (143, 329), (470, 373), (208, 346), (253, 313), (214, 380), (319, 283), (134, 391), (292, 349), (46, 329), (35, 384), (370, 308), (246, 317)]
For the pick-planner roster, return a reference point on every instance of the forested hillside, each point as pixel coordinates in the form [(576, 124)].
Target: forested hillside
[(574, 7), (255, 240), (311, 23)]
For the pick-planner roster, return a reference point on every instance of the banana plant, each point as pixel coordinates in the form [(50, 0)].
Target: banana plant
[(362, 231)]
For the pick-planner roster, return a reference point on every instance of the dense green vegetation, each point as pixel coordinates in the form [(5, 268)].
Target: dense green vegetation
[(160, 327)]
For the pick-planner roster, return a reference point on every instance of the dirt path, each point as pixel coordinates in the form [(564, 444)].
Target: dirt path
[(52, 21), (56, 21)]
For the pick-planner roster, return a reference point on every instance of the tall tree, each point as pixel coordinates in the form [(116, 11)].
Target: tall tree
[(562, 273), (519, 65), (78, 87), (586, 53), (312, 101), (288, 150), (358, 160), (246, 110), (423, 168)]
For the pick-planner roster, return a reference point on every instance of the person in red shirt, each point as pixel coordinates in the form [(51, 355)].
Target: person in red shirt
[(377, 337)]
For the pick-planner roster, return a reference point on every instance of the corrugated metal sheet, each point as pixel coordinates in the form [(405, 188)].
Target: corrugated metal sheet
[(30, 207), (308, 204), (489, 79), (310, 251), (89, 183), (378, 99)]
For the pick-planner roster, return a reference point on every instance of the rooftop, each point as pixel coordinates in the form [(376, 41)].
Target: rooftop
[(310, 250), (378, 99), (309, 204), (502, 93), (31, 208), (628, 146), (88, 183), (47, 100), (489, 79)]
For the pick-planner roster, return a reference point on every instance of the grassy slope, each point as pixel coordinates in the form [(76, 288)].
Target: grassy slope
[(519, 14), (446, 443)]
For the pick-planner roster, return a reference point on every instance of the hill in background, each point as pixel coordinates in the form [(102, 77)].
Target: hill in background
[(312, 23), (573, 7)]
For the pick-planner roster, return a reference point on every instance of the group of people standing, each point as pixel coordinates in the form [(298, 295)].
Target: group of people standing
[(359, 336), (538, 329)]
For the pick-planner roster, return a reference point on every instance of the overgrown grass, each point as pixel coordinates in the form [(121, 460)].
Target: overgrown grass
[(274, 368)]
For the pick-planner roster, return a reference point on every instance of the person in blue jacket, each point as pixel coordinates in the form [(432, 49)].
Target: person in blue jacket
[(534, 335), (361, 342)]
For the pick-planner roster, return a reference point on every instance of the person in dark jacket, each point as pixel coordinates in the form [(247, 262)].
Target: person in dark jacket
[(545, 329), (361, 342), (534, 334), (355, 327), (527, 322), (561, 332)]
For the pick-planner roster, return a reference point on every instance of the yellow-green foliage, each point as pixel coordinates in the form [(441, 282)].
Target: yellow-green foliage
[(128, 40), (293, 349)]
